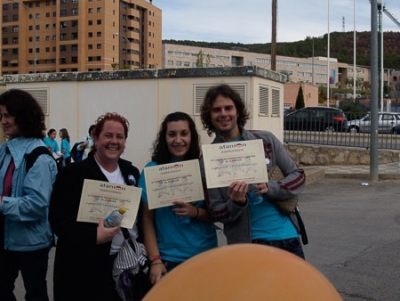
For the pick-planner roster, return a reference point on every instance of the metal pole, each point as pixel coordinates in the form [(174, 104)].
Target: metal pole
[(34, 32), (312, 61), (354, 56), (329, 73), (374, 93)]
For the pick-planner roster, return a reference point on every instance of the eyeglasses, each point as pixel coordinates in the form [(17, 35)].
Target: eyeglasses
[(5, 116)]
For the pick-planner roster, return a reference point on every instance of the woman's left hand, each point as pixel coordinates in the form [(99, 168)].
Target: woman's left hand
[(184, 209)]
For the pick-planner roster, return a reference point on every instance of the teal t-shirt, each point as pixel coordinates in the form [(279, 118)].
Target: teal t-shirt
[(65, 148), (51, 143), (178, 242)]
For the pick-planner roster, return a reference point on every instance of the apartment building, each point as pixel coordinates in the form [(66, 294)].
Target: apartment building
[(88, 35), (313, 70)]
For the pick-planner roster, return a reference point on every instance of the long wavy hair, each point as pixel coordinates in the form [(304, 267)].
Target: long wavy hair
[(161, 154), (65, 134), (228, 92), (28, 114)]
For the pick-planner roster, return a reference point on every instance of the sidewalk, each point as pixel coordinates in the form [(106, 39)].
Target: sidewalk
[(385, 171)]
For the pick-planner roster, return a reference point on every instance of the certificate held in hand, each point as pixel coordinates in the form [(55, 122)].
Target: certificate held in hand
[(225, 163), (178, 181)]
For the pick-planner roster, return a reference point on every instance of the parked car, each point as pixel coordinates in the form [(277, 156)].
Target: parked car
[(387, 122), (316, 119)]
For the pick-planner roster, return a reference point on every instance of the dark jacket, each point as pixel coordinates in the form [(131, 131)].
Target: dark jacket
[(81, 267)]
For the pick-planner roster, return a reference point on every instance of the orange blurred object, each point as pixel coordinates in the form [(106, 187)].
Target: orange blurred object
[(244, 272)]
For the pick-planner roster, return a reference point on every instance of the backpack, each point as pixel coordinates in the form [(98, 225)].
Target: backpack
[(40, 150), (77, 154)]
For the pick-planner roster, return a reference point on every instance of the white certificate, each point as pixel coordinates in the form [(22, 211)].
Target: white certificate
[(99, 198), (178, 181), (234, 161)]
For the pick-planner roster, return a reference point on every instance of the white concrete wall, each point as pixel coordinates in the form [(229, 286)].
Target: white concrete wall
[(144, 102)]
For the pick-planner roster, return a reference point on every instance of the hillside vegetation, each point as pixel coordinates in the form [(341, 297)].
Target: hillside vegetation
[(341, 47)]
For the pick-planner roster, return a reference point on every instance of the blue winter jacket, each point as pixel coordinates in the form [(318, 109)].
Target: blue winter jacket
[(26, 211)]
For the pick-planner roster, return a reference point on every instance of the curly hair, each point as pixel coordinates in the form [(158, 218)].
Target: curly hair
[(64, 134), (101, 120), (28, 114), (228, 92), (161, 154)]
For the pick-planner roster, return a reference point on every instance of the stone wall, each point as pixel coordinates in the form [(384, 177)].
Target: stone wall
[(322, 155)]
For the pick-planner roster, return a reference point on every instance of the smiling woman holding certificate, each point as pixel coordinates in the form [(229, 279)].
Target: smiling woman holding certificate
[(176, 233), (86, 251)]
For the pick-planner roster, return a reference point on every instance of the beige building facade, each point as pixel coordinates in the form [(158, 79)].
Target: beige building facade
[(145, 97), (69, 35), (313, 70)]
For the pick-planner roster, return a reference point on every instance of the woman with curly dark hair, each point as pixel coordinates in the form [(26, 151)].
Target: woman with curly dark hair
[(25, 234), (176, 233)]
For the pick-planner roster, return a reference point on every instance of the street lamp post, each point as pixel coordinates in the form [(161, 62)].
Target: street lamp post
[(34, 32)]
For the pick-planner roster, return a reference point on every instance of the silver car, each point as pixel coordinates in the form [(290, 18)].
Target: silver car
[(387, 122)]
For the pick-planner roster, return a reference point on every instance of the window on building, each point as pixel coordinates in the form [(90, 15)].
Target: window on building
[(47, 15), (5, 18), (63, 1), (98, 58), (90, 34), (74, 1), (90, 10), (90, 22), (99, 9), (37, 27), (47, 3), (90, 46), (74, 59), (54, 37), (15, 5), (98, 22), (99, 34), (63, 24), (47, 38), (5, 63), (63, 36), (15, 17), (37, 15), (47, 26), (15, 51), (38, 4), (74, 11), (63, 48), (74, 47), (74, 35), (54, 14), (98, 46), (15, 40), (63, 12), (5, 41), (5, 7), (47, 49), (74, 23), (30, 39), (4, 29), (15, 28)]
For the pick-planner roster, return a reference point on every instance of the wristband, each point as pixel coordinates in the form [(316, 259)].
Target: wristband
[(155, 257), (197, 213)]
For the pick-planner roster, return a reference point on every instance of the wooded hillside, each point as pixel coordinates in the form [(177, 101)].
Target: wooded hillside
[(341, 45)]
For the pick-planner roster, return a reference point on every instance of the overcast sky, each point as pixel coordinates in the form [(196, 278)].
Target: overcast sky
[(250, 21)]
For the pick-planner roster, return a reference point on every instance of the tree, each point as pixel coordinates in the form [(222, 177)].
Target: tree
[(199, 61), (208, 60), (300, 99)]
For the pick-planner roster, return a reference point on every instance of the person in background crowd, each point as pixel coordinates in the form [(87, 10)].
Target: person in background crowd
[(223, 112), (87, 142), (51, 142), (65, 146), (86, 251), (25, 234), (170, 240)]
